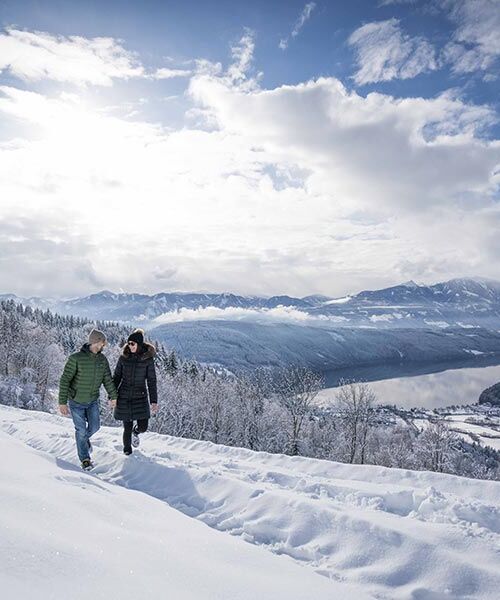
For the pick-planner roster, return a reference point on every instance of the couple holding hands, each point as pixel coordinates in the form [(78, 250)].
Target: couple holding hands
[(131, 389)]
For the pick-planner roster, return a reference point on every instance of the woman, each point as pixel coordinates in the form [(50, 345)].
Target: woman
[(134, 368)]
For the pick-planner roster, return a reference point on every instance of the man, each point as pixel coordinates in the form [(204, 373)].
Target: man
[(79, 386)]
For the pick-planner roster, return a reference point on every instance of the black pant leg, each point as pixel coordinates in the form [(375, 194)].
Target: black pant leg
[(142, 425), (127, 435)]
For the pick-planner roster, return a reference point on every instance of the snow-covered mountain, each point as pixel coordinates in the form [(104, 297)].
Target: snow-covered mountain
[(34, 301), (144, 308), (460, 302), (199, 520), (451, 321)]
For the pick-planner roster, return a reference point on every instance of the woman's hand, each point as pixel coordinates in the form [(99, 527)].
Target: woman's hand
[(112, 403), (154, 408)]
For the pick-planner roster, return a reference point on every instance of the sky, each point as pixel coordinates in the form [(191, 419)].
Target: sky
[(249, 147)]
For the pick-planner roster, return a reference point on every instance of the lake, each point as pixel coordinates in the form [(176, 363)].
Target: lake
[(436, 389)]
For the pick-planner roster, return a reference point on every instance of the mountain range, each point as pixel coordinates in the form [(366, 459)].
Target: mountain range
[(458, 302), (405, 326)]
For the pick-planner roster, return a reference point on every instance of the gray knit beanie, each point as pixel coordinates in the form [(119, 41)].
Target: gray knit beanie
[(96, 336)]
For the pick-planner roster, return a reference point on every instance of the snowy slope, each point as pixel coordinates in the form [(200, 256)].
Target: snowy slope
[(480, 429), (68, 534), (386, 533)]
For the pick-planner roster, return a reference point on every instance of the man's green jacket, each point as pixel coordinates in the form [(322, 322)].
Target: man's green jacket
[(83, 375)]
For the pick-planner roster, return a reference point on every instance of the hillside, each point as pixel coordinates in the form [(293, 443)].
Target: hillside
[(245, 345), (139, 524)]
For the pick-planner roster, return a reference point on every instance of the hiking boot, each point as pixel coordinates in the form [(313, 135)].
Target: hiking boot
[(127, 451), (87, 464), (135, 438)]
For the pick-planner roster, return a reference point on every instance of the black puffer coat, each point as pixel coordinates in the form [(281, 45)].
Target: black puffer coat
[(132, 371)]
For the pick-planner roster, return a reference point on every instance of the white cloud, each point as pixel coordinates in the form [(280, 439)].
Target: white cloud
[(190, 205), (290, 190), (242, 54), (165, 73), (282, 314), (384, 52), (390, 2), (304, 16), (476, 41), (37, 55), (421, 160), (34, 252), (430, 153)]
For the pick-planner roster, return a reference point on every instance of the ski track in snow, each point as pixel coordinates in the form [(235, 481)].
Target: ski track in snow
[(395, 533)]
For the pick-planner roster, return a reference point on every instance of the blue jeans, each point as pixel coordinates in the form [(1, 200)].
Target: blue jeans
[(87, 422)]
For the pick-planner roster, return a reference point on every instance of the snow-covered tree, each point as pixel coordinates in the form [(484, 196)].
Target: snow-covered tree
[(295, 388), (435, 447), (355, 402)]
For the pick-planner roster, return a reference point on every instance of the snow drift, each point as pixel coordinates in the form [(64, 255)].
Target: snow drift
[(372, 532)]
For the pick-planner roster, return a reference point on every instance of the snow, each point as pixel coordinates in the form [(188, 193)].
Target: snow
[(470, 432), (383, 317), (482, 433), (204, 521), (70, 534), (436, 323), (338, 300), (387, 306), (337, 319)]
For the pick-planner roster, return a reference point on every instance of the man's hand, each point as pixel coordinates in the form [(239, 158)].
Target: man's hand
[(64, 410), (154, 408), (112, 403)]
